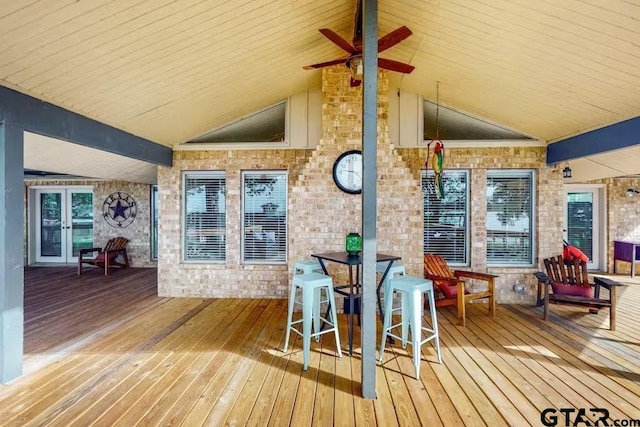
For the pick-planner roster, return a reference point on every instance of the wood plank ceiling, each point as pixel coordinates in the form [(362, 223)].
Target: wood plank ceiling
[(169, 70)]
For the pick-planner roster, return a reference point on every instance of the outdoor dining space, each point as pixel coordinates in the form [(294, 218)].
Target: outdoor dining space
[(107, 350)]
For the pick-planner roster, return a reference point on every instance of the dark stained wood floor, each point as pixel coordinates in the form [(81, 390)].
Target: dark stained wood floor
[(108, 351)]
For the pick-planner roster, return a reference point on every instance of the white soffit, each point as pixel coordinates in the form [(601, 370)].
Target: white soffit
[(54, 155), (612, 164)]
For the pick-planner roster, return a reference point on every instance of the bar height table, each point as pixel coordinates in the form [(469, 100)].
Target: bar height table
[(354, 284), (626, 251)]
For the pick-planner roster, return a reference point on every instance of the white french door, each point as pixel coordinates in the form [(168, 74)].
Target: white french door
[(63, 223), (584, 221)]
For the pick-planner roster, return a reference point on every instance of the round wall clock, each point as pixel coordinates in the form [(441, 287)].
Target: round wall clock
[(347, 172), (119, 209)]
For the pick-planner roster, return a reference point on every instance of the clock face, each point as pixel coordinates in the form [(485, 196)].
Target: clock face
[(347, 172), (119, 209)]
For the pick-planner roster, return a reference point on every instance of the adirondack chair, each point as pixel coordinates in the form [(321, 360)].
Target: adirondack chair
[(451, 285), (567, 282), (114, 254)]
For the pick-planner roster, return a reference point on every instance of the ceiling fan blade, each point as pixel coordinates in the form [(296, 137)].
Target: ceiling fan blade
[(339, 41), (393, 38), (391, 65), (325, 64), (357, 27), (354, 82)]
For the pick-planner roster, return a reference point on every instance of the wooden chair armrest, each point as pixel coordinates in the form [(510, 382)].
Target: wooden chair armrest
[(474, 275), (542, 277), (605, 283), (451, 280)]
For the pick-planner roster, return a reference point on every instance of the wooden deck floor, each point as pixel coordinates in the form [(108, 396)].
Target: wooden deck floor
[(108, 352)]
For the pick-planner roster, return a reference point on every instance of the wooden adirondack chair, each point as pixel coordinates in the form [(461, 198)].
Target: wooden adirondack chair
[(569, 281), (452, 286), (106, 257)]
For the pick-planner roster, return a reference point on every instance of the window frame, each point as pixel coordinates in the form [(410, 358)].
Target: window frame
[(154, 203), (424, 174), (243, 213), (515, 173), (183, 215), (201, 143)]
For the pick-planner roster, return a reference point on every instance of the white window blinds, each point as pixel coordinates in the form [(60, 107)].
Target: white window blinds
[(264, 227), (510, 217), (204, 216), (445, 220)]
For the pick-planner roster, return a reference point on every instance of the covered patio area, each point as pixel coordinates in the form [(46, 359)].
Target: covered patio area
[(108, 351)]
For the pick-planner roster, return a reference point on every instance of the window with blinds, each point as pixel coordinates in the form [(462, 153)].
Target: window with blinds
[(445, 219), (204, 216), (510, 201), (264, 213)]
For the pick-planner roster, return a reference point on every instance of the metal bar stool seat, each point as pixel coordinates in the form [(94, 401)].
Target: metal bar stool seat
[(310, 283), (306, 266), (411, 290)]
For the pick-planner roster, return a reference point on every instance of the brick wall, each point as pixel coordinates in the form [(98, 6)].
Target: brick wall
[(549, 208), (320, 215), (138, 233), (231, 279)]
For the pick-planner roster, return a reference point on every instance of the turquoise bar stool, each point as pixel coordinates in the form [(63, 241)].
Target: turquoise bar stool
[(307, 266), (411, 290), (310, 283), (396, 269)]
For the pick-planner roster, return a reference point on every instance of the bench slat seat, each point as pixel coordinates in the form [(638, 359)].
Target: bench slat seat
[(571, 276)]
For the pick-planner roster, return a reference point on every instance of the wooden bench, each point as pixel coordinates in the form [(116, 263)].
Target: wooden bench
[(106, 257), (569, 281)]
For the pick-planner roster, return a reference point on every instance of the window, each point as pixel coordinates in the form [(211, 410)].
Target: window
[(510, 217), (154, 222), (204, 216), (264, 226), (267, 125), (445, 220), (450, 124)]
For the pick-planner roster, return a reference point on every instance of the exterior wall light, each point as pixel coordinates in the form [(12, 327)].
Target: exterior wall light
[(566, 172), (631, 192)]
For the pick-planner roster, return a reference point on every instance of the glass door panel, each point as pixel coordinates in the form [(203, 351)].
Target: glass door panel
[(64, 224), (581, 223), (81, 223), (49, 234)]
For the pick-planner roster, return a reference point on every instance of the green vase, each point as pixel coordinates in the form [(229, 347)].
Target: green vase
[(353, 243)]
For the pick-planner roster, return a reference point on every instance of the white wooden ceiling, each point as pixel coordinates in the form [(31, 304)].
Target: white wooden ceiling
[(42, 153), (169, 70)]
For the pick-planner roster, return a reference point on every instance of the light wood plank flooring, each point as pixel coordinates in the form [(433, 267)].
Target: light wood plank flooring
[(109, 352)]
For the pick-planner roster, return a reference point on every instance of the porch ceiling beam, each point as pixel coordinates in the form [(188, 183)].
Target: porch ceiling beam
[(613, 137), (47, 119)]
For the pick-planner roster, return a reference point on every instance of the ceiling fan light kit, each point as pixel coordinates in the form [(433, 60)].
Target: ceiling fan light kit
[(354, 49)]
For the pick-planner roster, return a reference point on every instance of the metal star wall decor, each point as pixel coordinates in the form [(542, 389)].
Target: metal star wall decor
[(119, 209)]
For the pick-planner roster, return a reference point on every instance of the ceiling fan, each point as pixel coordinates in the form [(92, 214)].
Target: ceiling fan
[(354, 60)]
